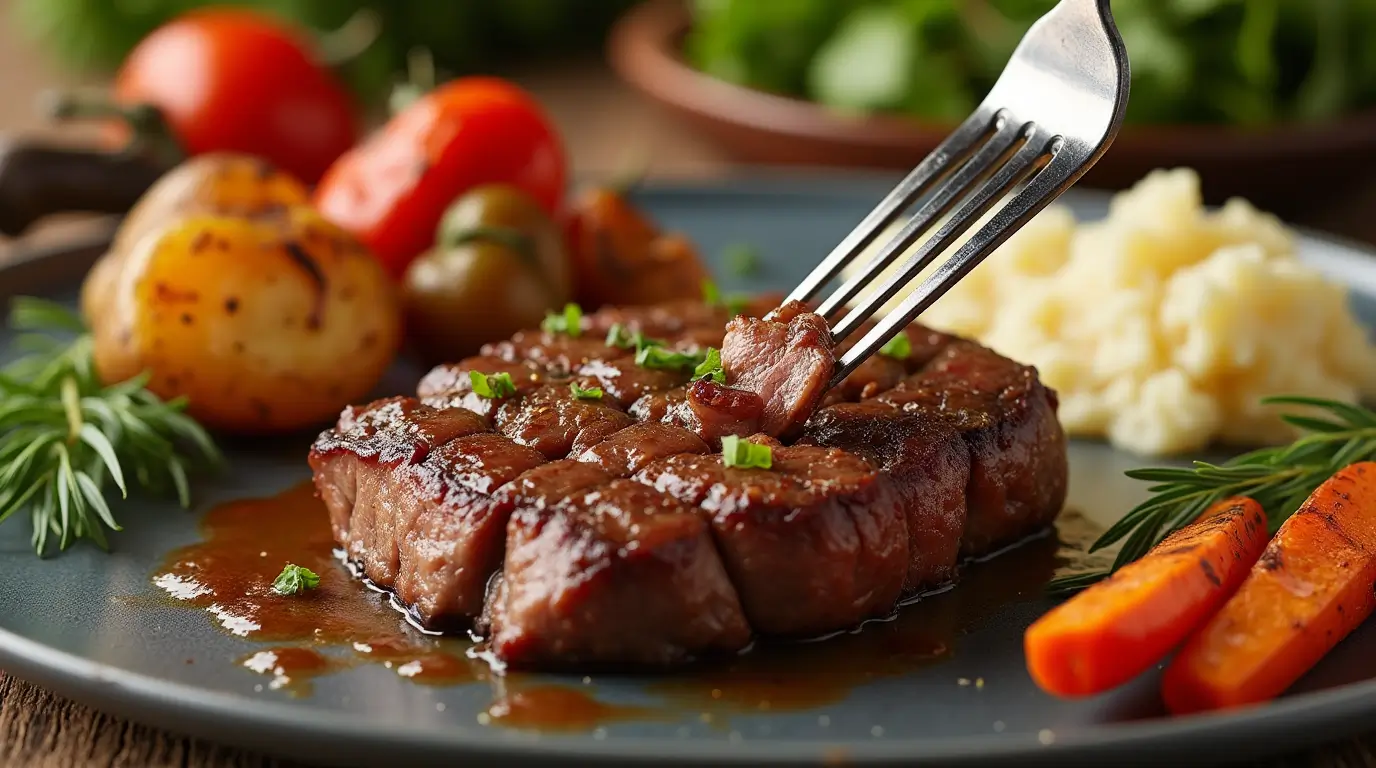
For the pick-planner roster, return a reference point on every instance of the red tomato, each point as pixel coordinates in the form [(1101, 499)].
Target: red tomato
[(392, 190), (235, 80)]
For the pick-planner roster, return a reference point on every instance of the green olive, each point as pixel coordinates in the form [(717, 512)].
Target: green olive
[(498, 267)]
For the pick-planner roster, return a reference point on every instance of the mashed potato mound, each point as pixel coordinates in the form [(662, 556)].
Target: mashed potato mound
[(1163, 325)]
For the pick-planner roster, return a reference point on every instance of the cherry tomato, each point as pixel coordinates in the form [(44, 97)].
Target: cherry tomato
[(498, 267), (392, 190), (235, 80)]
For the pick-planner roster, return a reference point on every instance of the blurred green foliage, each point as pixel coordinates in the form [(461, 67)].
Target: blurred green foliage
[(462, 35), (1193, 61)]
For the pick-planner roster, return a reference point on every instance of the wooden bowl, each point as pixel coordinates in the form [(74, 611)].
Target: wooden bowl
[(1289, 168)]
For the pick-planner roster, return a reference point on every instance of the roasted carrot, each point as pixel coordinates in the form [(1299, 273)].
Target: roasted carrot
[(1116, 629), (1311, 587)]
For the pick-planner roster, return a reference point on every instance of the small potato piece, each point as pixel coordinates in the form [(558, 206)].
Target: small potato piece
[(234, 185), (265, 323)]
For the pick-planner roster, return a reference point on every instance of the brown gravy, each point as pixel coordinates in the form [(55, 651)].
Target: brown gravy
[(342, 624), (229, 574)]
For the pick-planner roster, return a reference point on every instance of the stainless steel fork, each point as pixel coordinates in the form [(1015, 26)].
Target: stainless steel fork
[(1053, 112)]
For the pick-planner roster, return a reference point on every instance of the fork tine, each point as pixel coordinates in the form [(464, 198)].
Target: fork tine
[(1066, 164), (979, 202), (951, 191), (952, 151)]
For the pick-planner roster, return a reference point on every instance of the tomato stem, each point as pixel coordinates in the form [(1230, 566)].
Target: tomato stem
[(420, 80), (506, 237), (349, 40), (150, 133)]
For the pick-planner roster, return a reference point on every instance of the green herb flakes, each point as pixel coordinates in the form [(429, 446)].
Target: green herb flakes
[(741, 453), (660, 358), (591, 393), (494, 386), (568, 322), (899, 347), (710, 368), (294, 579)]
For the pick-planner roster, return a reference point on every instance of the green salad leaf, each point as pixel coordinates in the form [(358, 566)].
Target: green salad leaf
[(1243, 62)]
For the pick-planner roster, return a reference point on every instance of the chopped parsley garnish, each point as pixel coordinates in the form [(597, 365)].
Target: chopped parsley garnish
[(898, 347), (569, 322), (738, 452), (492, 386), (591, 393), (711, 294), (710, 367), (619, 337), (667, 359), (294, 579), (712, 297), (741, 259)]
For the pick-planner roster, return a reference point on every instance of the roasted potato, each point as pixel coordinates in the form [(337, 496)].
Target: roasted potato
[(227, 289), (621, 257), (217, 183)]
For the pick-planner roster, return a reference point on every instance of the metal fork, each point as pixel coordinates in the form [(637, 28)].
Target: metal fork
[(1053, 112)]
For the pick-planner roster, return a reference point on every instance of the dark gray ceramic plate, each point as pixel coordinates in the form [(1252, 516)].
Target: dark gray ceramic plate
[(91, 626)]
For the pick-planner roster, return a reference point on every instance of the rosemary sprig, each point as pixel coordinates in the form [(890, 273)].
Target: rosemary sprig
[(1278, 478), (65, 438)]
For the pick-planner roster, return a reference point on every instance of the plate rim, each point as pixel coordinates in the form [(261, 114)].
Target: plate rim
[(284, 728)]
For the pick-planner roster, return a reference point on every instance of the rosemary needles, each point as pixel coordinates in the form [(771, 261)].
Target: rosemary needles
[(68, 442), (1279, 478)]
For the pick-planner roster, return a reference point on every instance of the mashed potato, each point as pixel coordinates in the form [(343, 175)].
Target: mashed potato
[(1163, 325)]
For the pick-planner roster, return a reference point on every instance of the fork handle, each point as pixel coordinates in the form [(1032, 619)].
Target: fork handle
[(38, 180)]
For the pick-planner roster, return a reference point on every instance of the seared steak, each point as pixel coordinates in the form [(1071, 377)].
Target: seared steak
[(619, 574), (410, 492), (785, 358), (929, 466), (815, 543), (1018, 465), (607, 529)]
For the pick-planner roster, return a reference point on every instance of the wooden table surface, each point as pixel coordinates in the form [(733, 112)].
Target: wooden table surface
[(604, 125)]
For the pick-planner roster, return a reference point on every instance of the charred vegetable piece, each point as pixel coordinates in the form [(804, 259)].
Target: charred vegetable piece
[(1119, 628), (499, 267), (1310, 588), (620, 257), (228, 289)]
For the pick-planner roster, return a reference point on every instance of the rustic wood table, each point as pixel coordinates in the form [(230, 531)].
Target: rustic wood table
[(600, 120)]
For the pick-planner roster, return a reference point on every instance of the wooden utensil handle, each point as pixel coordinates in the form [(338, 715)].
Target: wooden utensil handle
[(38, 180)]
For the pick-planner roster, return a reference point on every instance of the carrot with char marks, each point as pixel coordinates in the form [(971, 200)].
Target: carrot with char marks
[(1120, 627), (1311, 587)]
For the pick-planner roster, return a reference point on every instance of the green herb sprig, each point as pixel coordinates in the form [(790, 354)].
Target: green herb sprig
[(741, 259), (569, 321), (295, 579), (492, 386), (652, 353), (712, 296), (619, 337), (711, 368), (899, 347), (66, 438), (580, 393), (1278, 478), (661, 358)]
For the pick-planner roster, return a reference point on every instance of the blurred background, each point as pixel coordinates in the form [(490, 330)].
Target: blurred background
[(1270, 99)]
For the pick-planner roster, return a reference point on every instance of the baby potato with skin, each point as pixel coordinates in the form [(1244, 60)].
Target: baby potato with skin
[(266, 321), (219, 183)]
